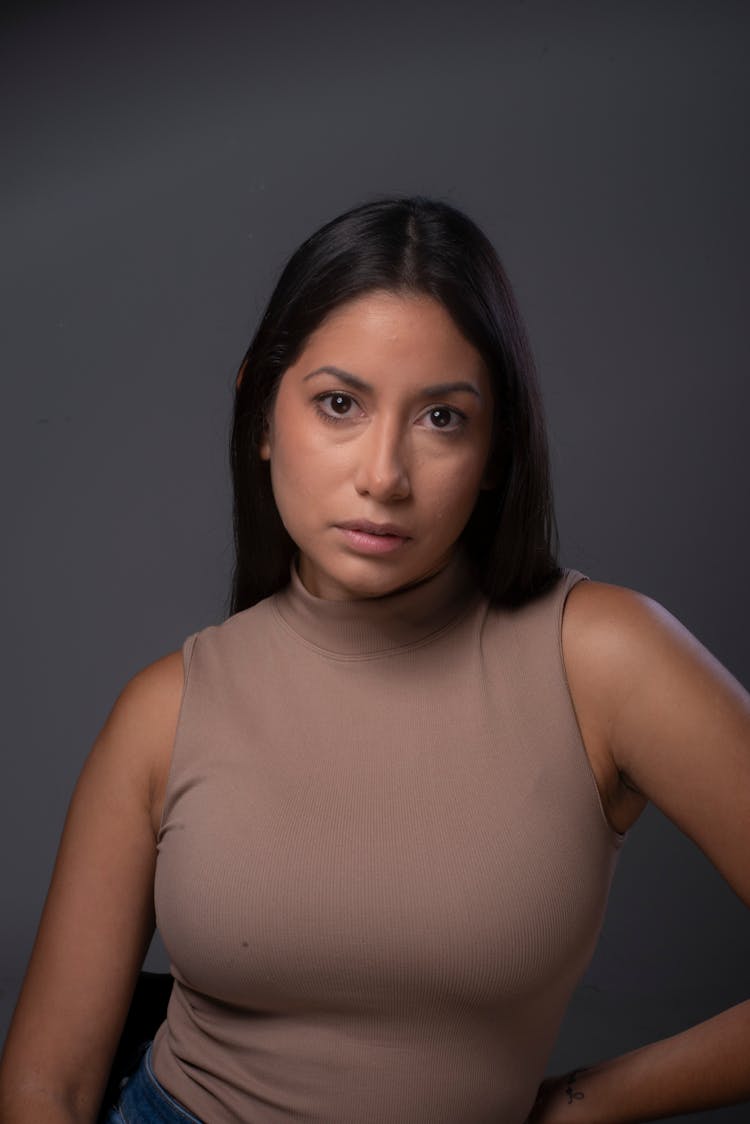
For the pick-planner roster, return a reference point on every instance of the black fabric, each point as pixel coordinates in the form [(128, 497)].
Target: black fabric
[(148, 1009)]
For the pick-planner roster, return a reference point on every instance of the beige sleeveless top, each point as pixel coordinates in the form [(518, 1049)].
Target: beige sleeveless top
[(383, 862)]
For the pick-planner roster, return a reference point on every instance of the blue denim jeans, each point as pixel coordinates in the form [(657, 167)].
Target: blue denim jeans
[(143, 1100)]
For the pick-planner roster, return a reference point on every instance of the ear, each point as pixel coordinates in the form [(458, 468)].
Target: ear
[(240, 375), (264, 445)]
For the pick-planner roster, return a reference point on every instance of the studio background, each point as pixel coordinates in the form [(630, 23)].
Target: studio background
[(160, 164)]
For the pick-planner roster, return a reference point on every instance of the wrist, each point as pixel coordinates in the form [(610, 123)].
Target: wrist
[(563, 1100)]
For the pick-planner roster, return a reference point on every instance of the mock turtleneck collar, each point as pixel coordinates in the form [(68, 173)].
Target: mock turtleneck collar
[(372, 626)]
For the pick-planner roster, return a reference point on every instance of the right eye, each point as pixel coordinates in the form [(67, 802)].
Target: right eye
[(338, 402)]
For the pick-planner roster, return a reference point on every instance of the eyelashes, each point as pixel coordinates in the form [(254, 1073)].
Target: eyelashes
[(335, 418), (449, 431)]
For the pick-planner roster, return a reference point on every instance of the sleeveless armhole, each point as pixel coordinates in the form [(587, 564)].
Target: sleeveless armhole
[(188, 647), (571, 578)]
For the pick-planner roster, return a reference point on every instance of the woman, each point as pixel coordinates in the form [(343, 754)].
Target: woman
[(378, 808)]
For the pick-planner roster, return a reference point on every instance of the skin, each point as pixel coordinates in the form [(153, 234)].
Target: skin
[(383, 455), (660, 719)]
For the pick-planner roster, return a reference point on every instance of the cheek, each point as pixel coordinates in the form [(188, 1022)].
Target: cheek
[(454, 492), (301, 475), (460, 477)]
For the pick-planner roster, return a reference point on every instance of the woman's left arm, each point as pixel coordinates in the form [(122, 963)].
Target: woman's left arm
[(675, 725)]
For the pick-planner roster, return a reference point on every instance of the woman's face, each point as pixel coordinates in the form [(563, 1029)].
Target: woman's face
[(385, 417)]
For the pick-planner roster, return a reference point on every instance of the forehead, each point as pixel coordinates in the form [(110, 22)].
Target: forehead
[(414, 330)]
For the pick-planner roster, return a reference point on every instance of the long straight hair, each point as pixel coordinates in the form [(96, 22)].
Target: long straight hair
[(405, 245)]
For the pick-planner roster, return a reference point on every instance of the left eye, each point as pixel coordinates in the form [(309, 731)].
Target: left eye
[(441, 415), (446, 419)]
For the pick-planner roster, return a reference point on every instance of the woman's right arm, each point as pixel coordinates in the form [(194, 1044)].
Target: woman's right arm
[(98, 917)]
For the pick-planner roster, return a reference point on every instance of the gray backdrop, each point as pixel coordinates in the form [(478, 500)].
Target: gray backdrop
[(159, 164)]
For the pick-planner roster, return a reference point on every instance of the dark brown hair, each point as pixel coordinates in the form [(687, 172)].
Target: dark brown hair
[(403, 244)]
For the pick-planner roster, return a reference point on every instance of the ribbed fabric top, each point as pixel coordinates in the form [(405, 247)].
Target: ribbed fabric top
[(383, 862), (372, 626)]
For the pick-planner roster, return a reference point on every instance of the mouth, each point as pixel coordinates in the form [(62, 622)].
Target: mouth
[(373, 538), (392, 530)]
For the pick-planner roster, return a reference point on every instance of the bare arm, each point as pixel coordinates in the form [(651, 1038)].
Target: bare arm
[(676, 726), (98, 918), (703, 1067)]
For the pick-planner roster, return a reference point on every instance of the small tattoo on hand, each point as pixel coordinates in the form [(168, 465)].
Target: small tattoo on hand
[(573, 1095)]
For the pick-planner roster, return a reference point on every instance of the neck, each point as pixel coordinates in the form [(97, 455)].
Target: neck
[(369, 626)]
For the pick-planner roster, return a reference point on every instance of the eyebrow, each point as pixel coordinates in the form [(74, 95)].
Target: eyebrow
[(360, 384)]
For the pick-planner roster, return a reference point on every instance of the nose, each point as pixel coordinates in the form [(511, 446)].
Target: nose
[(382, 470)]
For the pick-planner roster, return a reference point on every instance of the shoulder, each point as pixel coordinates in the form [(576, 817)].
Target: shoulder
[(601, 606), (614, 638), (614, 634), (637, 675), (139, 732), (151, 695), (149, 683)]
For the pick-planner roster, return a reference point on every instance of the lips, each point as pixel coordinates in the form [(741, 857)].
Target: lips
[(375, 528)]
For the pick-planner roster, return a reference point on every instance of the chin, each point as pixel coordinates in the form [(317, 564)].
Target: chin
[(357, 577)]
